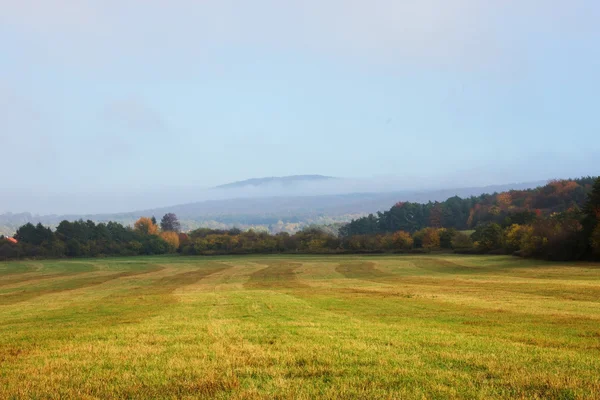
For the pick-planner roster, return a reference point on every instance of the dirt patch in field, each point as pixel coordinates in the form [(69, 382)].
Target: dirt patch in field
[(443, 266), (9, 354), (171, 283), (357, 292), (33, 277), (276, 275), (32, 292), (362, 270), (18, 268)]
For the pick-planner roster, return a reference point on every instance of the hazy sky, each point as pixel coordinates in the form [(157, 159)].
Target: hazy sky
[(133, 95)]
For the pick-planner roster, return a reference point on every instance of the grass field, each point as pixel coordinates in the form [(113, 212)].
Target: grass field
[(300, 327)]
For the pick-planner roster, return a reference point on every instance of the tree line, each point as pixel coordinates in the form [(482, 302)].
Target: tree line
[(505, 209), (88, 239), (559, 221)]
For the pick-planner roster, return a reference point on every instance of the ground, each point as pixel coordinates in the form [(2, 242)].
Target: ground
[(436, 326)]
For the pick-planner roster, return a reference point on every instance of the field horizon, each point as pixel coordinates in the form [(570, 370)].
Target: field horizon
[(300, 326)]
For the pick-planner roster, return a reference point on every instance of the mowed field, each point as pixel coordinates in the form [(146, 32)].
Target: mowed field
[(300, 327)]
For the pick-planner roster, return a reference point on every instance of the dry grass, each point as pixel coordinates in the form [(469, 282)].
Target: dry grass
[(300, 327)]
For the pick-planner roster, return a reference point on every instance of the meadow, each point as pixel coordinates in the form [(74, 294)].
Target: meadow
[(405, 326)]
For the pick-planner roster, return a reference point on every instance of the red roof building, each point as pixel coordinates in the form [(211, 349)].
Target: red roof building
[(12, 240)]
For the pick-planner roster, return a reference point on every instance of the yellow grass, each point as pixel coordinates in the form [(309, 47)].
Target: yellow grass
[(300, 327)]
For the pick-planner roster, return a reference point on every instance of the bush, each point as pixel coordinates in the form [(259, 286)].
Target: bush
[(461, 242), (490, 237)]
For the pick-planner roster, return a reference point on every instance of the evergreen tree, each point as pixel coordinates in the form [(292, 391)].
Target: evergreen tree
[(592, 206), (170, 223), (591, 221)]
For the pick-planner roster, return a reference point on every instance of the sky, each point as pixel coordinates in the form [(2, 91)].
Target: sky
[(106, 105)]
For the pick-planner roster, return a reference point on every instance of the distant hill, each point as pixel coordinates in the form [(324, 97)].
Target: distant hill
[(275, 180), (274, 213)]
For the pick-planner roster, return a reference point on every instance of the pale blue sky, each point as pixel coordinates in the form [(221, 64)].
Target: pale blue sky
[(130, 95)]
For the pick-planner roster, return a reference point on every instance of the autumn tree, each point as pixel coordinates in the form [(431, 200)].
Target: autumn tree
[(172, 239), (431, 238), (170, 223), (504, 199), (402, 240), (427, 238), (145, 226), (513, 236)]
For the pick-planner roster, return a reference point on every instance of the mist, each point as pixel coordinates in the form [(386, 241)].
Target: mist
[(102, 112), (129, 200)]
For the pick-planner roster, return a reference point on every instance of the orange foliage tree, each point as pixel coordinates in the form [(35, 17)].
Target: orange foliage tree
[(145, 226), (172, 238), (504, 199), (428, 238), (431, 239)]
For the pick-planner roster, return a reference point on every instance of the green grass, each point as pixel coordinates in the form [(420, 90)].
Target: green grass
[(300, 327)]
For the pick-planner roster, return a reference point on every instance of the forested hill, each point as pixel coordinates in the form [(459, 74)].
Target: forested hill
[(505, 208)]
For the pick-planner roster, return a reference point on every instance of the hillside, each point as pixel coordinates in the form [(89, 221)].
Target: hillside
[(273, 213), (504, 208)]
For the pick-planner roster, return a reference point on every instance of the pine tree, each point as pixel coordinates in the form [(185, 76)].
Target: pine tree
[(592, 208)]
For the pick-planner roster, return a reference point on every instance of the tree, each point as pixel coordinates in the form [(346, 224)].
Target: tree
[(154, 245), (592, 212), (491, 237), (513, 236), (431, 238), (8, 251), (446, 236), (172, 239), (35, 235), (435, 216), (170, 223), (145, 226), (595, 241), (154, 220), (401, 240), (427, 238), (461, 242), (74, 248)]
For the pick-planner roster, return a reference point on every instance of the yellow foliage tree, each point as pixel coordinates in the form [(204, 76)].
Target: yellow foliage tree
[(402, 240), (514, 236), (145, 226), (172, 238), (431, 239)]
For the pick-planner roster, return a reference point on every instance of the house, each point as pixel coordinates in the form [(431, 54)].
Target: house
[(12, 240)]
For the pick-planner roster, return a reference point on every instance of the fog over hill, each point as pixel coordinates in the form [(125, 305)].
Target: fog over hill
[(276, 203), (277, 180)]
